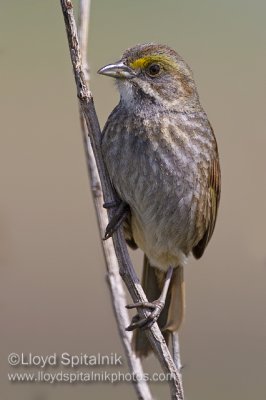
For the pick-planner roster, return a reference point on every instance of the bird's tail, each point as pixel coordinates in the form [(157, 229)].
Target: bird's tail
[(173, 311)]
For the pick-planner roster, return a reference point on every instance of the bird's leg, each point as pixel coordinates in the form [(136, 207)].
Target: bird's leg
[(120, 214), (156, 306)]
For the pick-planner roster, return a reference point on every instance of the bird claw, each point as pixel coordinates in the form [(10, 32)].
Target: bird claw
[(111, 204), (117, 219), (146, 322)]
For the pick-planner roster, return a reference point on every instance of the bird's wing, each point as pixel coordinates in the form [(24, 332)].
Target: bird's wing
[(212, 198)]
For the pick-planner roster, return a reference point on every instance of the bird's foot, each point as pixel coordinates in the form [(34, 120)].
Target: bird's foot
[(146, 322), (155, 307), (120, 214)]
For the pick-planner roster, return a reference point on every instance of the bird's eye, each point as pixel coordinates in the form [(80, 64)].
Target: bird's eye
[(154, 69)]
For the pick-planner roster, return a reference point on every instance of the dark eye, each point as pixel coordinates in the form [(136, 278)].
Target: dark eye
[(154, 69)]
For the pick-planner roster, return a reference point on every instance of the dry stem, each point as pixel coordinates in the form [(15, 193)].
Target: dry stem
[(125, 266)]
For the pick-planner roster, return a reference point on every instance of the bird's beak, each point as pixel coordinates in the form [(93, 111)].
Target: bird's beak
[(118, 70)]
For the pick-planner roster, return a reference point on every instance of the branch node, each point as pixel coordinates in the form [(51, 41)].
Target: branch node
[(69, 4)]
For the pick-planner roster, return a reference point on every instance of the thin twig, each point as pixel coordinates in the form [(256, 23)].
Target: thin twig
[(115, 282), (126, 268), (83, 34), (176, 351)]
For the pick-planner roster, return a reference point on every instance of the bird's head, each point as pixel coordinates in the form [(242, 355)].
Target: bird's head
[(154, 74)]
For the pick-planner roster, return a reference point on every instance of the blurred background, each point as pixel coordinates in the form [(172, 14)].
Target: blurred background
[(53, 291)]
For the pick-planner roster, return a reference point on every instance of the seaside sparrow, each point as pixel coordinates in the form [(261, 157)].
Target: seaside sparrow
[(162, 158)]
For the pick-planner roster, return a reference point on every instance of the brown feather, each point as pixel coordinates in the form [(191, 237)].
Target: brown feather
[(213, 199)]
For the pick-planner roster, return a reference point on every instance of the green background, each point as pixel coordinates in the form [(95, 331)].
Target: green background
[(53, 293)]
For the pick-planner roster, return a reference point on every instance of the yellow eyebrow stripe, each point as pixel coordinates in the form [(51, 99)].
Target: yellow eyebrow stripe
[(144, 61), (140, 62)]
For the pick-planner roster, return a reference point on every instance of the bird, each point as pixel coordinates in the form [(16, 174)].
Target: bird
[(161, 154)]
